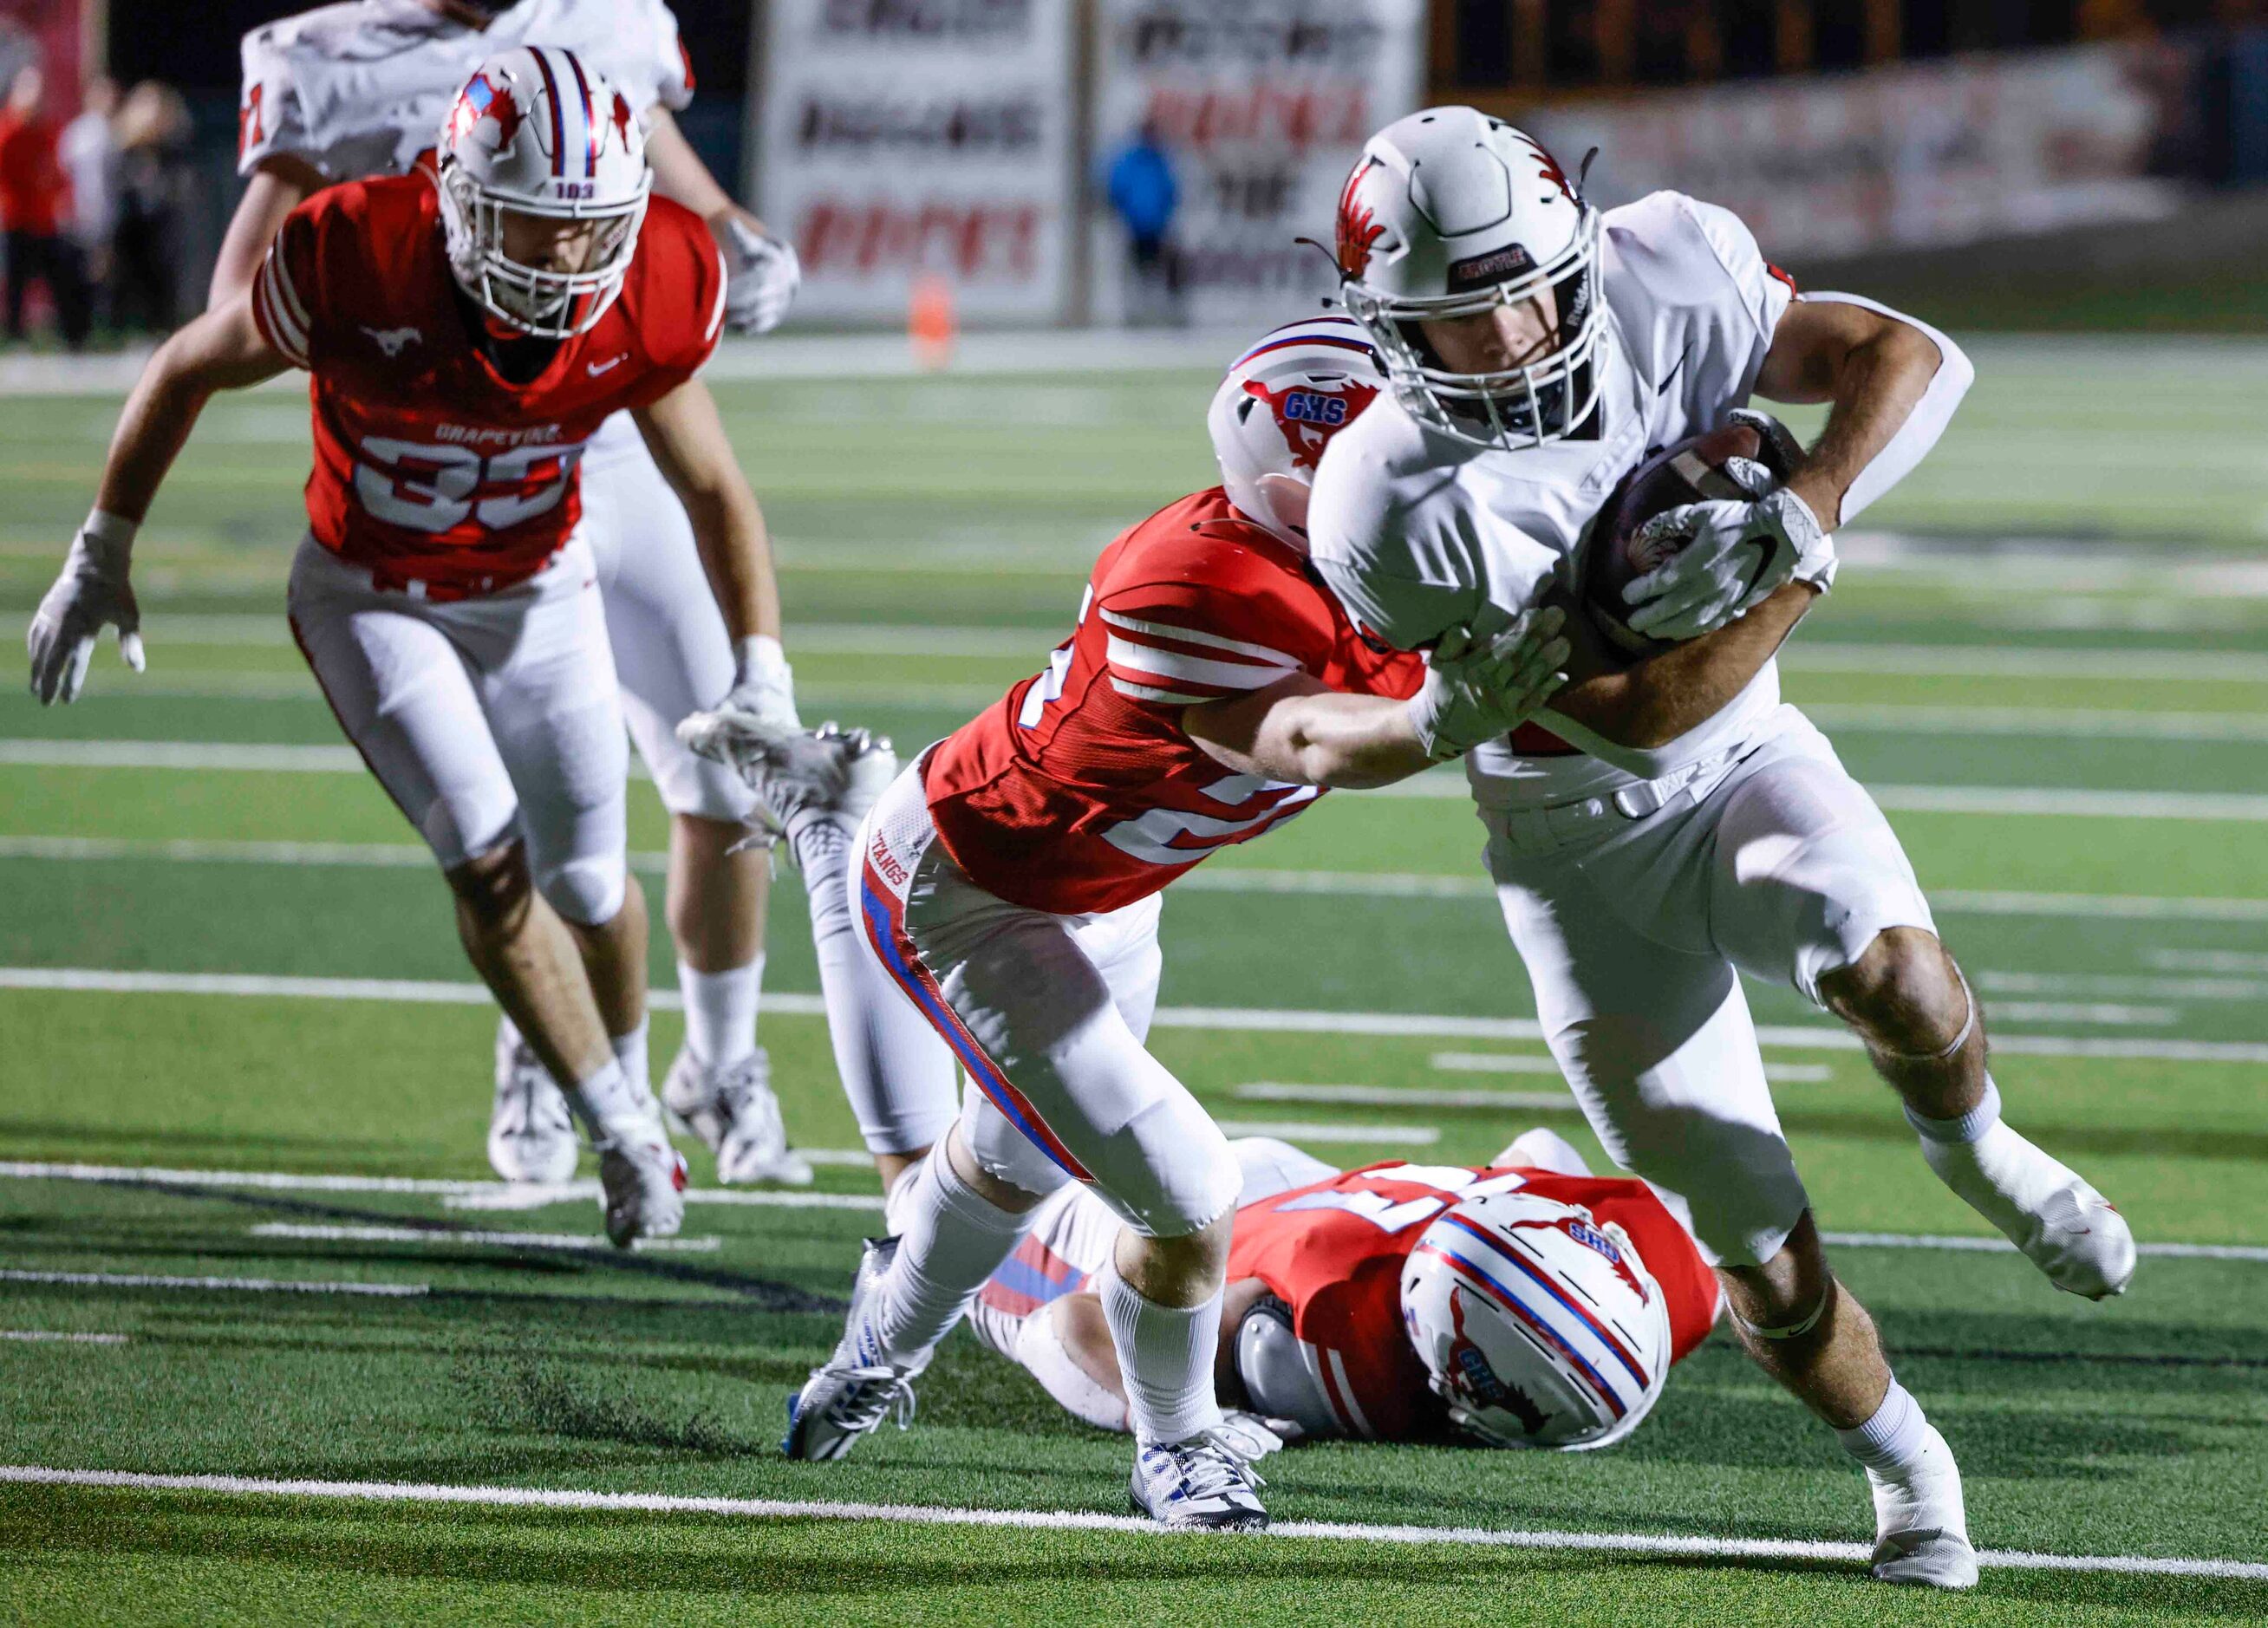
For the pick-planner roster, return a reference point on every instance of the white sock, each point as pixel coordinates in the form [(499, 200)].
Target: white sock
[(608, 1098), (1166, 1356), (1891, 1443), (720, 1011), (630, 1052), (2003, 1177), (954, 1239)]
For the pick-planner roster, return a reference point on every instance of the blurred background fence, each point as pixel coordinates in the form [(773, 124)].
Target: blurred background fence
[(1061, 162)]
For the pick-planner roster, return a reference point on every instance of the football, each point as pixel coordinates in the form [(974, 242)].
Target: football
[(1691, 471)]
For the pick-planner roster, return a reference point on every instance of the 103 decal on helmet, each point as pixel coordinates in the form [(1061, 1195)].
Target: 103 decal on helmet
[(538, 132), (1451, 214)]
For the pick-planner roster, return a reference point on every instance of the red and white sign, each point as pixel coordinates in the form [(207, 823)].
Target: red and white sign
[(904, 140), (1262, 106)]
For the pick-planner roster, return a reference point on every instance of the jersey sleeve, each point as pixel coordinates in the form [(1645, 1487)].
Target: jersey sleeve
[(270, 118), (1715, 298), (1183, 640), (681, 300), (665, 69), (287, 291)]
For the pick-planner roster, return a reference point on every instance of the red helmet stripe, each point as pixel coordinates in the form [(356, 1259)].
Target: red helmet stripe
[(589, 116), (558, 117)]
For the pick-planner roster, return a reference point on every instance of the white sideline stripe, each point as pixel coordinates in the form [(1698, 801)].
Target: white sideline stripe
[(1306, 1130), (42, 1337), (291, 1181), (1208, 879), (1239, 1019), (497, 1241), (1395, 1096), (1074, 1520), (2072, 802), (2001, 1246), (2053, 722), (248, 1285), (1501, 1062)]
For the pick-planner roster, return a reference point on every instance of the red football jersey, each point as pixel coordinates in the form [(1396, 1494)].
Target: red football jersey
[(1334, 1250), (1079, 792), (430, 467)]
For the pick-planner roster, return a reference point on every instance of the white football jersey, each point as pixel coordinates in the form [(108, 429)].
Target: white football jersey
[(361, 88), (1416, 530)]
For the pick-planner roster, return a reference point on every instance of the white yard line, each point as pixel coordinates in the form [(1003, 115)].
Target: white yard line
[(1400, 1096), (2051, 722), (2208, 961), (1320, 1131), (1240, 1020), (451, 1193), (43, 1336), (489, 1240), (2029, 801), (1502, 1062), (2111, 1014), (1666, 1544), (2112, 662), (2119, 986), (1216, 878), (247, 1285)]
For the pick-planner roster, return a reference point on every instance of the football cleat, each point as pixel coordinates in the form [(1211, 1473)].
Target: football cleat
[(854, 1390), (1203, 1484), (1921, 1527), (640, 1181), (2064, 1226), (733, 1111), (828, 776), (531, 1134)]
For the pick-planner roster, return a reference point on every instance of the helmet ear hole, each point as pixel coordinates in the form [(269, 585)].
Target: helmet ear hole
[(1244, 408)]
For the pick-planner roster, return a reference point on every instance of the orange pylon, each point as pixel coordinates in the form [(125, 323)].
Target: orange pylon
[(930, 322)]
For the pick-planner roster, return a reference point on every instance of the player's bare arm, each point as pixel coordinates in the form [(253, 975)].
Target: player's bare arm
[(765, 272), (1300, 732), (686, 435), (280, 184), (1872, 366), (221, 351), (1658, 699)]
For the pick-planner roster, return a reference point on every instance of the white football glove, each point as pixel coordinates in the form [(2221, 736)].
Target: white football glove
[(764, 688), (1253, 1435), (1478, 688), (762, 276), (92, 592), (1739, 555)]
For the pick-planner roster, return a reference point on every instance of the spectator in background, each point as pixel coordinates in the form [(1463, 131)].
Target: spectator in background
[(1139, 184), (154, 178), (34, 202), (89, 152)]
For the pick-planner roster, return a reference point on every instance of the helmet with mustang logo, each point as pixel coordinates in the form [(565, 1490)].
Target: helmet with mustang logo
[(1450, 213), (1539, 1326), (538, 132), (1279, 407)]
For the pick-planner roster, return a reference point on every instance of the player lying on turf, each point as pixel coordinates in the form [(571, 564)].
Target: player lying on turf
[(1668, 823), (469, 329), (358, 89), (1523, 1303), (1009, 884)]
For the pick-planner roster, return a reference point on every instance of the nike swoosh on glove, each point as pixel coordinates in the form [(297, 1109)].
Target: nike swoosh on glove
[(1738, 555), (762, 276), (92, 592)]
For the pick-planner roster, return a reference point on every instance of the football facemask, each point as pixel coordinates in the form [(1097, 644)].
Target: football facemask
[(537, 134)]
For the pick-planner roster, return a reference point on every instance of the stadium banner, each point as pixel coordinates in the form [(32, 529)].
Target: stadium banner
[(1261, 108), (1925, 156), (897, 141)]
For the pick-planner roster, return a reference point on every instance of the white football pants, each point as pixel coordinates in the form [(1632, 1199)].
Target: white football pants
[(482, 718), (1634, 934), (672, 654), (1047, 1014)]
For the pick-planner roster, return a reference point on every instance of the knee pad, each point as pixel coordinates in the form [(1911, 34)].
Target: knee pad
[(587, 890), (1169, 1171)]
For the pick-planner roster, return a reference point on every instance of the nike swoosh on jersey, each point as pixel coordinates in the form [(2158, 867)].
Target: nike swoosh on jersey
[(598, 368)]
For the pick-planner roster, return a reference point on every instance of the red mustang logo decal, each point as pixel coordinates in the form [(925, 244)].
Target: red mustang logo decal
[(1358, 230), (1309, 418), (622, 120), (1550, 170), (482, 99)]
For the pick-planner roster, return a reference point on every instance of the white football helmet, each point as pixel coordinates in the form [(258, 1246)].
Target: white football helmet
[(1279, 407), (537, 131), (1450, 213), (1539, 1327)]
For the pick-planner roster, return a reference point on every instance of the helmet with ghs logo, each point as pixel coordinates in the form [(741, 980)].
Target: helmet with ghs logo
[(536, 142), (1539, 1326), (1278, 409)]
